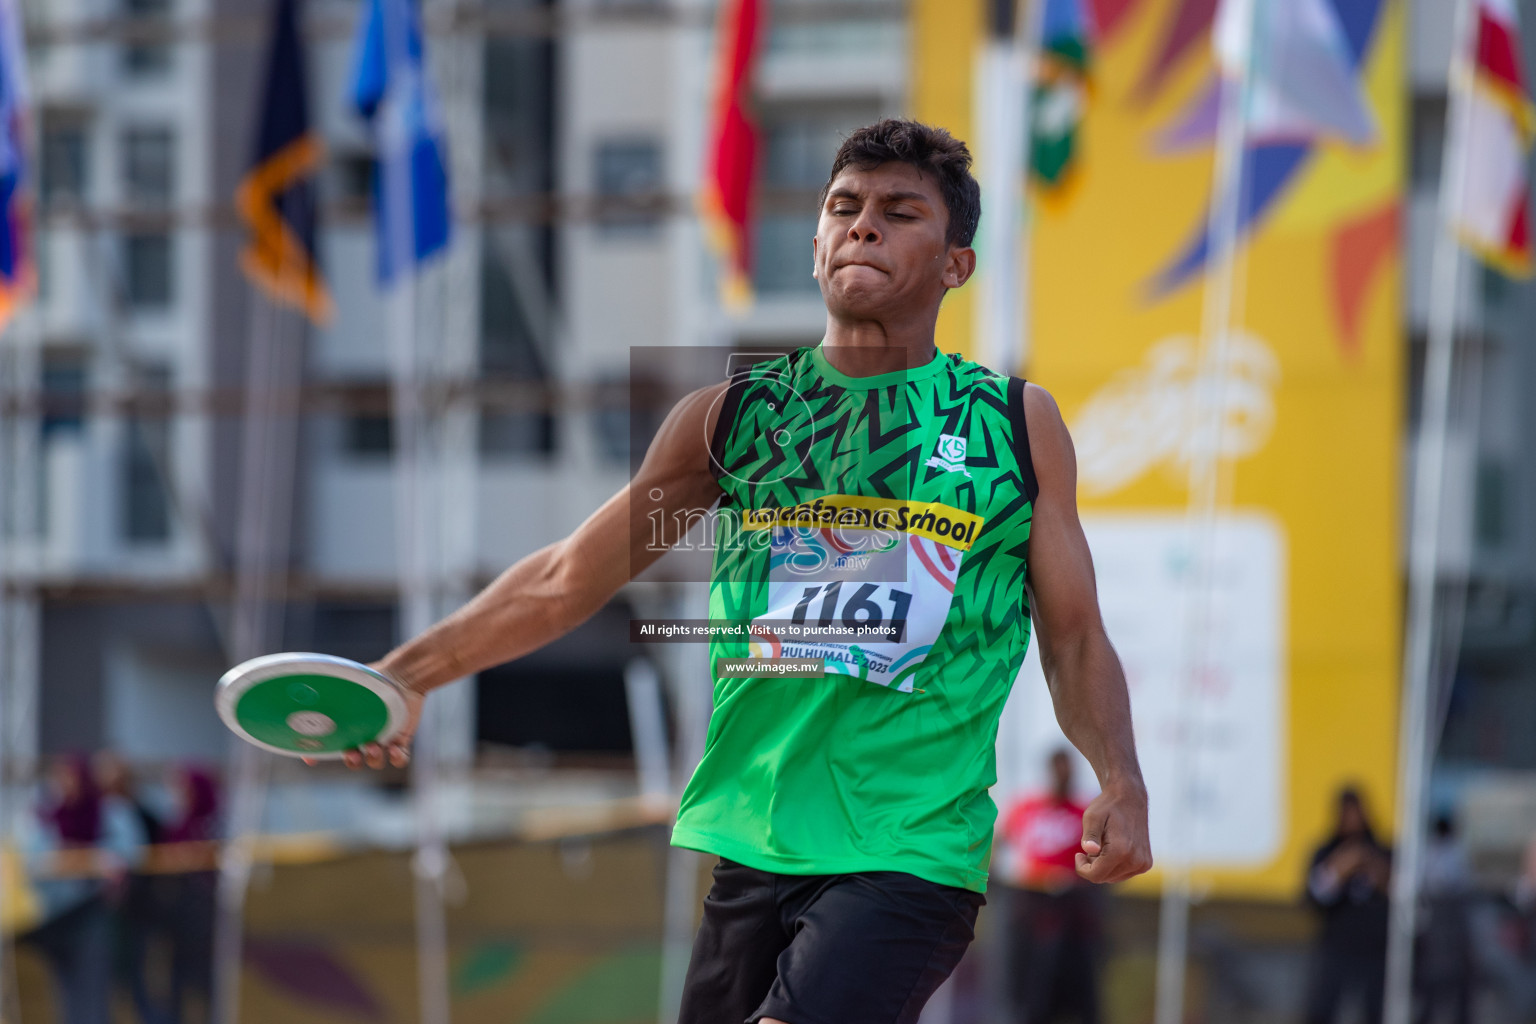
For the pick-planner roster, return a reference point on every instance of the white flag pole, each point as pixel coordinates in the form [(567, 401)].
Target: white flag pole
[(1031, 42), (412, 506), (1004, 89), (1424, 538), (1207, 414), (268, 457)]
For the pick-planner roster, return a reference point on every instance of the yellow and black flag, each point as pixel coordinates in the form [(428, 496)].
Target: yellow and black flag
[(276, 198)]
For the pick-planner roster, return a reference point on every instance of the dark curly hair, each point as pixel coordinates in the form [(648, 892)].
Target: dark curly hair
[(930, 150)]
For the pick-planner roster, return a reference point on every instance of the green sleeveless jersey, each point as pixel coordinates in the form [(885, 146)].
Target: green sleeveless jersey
[(900, 502)]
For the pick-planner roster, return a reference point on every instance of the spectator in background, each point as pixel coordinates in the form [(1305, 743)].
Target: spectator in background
[(116, 779), (1524, 895), (139, 916), (1443, 968), (194, 901), (80, 856), (1056, 921), (1513, 953), (1347, 882)]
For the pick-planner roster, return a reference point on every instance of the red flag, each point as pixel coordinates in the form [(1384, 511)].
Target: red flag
[(731, 170), (1493, 215)]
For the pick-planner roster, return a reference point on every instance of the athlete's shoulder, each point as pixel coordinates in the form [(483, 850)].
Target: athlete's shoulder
[(970, 372), (1050, 444), (1040, 406)]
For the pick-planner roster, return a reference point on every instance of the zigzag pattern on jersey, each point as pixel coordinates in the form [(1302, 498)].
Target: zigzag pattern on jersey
[(988, 627), (798, 437)]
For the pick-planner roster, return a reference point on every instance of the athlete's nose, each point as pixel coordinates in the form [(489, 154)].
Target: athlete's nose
[(863, 229)]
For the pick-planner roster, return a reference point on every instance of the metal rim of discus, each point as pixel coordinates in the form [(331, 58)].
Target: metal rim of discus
[(239, 681)]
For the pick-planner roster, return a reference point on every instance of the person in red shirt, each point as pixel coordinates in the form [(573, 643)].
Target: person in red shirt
[(1056, 928)]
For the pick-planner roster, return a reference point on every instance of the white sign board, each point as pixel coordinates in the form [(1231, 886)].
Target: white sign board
[(1224, 732)]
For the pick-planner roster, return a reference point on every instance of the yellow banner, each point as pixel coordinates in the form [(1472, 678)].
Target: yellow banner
[(1301, 693), (1310, 442)]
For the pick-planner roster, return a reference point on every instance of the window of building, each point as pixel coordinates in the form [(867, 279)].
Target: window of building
[(629, 184), (42, 263), (1496, 287), (1490, 507), (801, 144), (511, 355), (63, 387), (579, 707), (519, 286), (801, 147), (39, 49), (147, 458), (1428, 140), (65, 159), (843, 37), (148, 55), (611, 417), (368, 435), (62, 380), (628, 7), (149, 165), (147, 271), (367, 427), (784, 260), (361, 631), (353, 172)]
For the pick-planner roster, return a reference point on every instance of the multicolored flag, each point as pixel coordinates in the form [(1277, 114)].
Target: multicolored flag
[(1304, 84), (1495, 130), (1307, 91), (392, 91), (16, 271), (731, 171), (1061, 90), (276, 198)]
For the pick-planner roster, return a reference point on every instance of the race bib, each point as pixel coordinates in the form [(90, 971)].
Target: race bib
[(887, 591)]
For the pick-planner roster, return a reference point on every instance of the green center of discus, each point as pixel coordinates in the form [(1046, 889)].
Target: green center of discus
[(359, 713)]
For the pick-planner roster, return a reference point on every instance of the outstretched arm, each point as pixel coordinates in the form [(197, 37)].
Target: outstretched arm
[(1084, 674), (550, 592)]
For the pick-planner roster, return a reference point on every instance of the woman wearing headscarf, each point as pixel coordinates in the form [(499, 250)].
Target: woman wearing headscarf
[(138, 913), (79, 857), (1347, 883), (195, 887)]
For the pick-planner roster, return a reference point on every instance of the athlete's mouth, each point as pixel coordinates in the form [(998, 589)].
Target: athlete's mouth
[(857, 263)]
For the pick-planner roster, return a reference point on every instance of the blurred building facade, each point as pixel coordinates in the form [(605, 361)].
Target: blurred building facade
[(1487, 752), (576, 136)]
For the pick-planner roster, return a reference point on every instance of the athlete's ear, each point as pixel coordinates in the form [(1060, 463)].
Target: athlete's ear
[(815, 257), (960, 266)]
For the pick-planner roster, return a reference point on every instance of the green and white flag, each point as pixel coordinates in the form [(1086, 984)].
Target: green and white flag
[(1060, 91)]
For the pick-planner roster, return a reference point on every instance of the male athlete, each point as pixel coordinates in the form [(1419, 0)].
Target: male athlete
[(871, 480)]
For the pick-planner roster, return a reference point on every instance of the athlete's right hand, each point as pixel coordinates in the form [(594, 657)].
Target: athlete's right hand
[(1115, 835), (398, 751)]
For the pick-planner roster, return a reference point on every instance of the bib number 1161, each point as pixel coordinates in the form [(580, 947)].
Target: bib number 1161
[(853, 607)]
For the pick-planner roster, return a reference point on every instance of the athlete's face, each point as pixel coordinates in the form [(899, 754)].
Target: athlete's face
[(880, 249)]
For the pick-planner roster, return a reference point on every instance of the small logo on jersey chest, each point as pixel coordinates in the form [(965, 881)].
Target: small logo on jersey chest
[(949, 455)]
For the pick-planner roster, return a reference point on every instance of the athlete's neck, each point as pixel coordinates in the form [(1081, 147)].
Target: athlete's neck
[(869, 349)]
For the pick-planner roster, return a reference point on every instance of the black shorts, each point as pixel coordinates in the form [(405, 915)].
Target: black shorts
[(864, 948)]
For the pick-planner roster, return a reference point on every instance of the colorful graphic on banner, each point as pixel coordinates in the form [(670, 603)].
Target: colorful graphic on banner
[(1311, 392)]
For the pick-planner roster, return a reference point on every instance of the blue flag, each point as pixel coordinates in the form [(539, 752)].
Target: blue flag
[(16, 270), (391, 90)]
